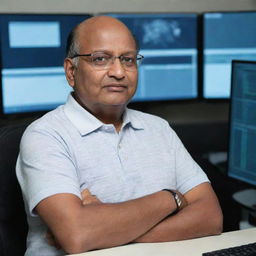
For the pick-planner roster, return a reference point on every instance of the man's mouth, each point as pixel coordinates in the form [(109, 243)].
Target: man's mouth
[(116, 87)]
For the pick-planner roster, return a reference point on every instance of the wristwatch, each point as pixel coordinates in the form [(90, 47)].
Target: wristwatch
[(177, 199)]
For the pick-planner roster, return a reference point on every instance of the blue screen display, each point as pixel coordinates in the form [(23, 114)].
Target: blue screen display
[(32, 54), (227, 36), (169, 44), (242, 146)]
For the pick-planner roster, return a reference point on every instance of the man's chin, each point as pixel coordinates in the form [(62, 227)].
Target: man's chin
[(117, 101)]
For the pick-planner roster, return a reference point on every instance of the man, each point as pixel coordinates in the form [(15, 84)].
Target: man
[(95, 174)]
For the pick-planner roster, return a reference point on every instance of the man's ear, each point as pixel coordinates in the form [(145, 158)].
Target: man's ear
[(69, 71)]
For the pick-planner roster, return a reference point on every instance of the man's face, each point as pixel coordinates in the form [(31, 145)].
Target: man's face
[(113, 86)]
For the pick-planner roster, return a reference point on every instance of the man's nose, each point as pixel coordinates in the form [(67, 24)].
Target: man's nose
[(116, 69)]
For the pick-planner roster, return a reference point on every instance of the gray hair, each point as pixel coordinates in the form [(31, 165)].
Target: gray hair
[(72, 46)]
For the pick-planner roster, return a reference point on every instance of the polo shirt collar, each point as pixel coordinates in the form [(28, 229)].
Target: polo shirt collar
[(83, 120), (132, 120), (86, 123)]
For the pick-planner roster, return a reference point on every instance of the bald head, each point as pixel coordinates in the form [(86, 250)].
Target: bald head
[(102, 23), (95, 26)]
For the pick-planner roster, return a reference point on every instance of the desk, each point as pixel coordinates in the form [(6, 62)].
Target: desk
[(193, 247)]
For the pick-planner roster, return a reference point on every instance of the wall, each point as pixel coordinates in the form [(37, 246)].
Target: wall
[(95, 6)]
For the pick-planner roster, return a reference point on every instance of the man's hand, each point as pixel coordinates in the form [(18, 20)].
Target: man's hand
[(51, 240), (88, 198)]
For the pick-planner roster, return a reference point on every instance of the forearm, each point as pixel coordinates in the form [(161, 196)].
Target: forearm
[(115, 224), (201, 217), (186, 224), (98, 226)]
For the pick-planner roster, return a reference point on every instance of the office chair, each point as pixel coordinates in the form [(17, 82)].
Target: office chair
[(13, 224)]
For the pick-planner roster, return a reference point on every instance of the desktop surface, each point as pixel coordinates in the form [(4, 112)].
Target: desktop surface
[(192, 247)]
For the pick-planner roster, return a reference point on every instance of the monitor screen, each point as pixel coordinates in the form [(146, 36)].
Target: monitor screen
[(32, 54), (169, 44), (242, 144), (226, 37)]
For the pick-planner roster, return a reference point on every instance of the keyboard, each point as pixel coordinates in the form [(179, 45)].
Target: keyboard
[(243, 250)]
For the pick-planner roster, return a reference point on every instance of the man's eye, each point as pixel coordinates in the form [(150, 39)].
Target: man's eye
[(101, 59), (128, 60)]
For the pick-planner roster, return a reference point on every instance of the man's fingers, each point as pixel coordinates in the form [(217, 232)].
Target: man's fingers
[(85, 193), (49, 237), (51, 240), (88, 198)]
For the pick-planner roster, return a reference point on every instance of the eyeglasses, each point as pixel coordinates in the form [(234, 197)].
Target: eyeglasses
[(102, 60)]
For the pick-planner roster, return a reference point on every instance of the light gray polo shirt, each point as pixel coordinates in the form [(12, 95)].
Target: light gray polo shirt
[(68, 150)]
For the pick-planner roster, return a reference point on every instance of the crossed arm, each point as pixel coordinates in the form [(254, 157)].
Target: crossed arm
[(79, 226)]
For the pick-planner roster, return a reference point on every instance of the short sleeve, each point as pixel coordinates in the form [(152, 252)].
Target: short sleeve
[(45, 167)]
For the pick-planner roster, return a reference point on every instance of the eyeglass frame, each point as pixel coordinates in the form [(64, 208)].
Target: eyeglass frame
[(139, 58)]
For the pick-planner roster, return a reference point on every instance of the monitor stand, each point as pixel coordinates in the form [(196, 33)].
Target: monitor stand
[(247, 199), (219, 160)]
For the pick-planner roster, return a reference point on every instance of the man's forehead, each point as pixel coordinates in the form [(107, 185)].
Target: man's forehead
[(101, 19), (101, 23), (104, 29)]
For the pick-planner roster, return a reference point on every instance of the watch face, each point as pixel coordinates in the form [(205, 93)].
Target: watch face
[(177, 198)]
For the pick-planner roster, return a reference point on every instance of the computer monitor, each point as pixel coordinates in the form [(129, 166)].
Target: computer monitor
[(32, 53), (227, 36), (242, 142), (169, 44)]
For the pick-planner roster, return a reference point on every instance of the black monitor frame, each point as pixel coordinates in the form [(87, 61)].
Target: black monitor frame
[(239, 181), (141, 105), (36, 17), (201, 85)]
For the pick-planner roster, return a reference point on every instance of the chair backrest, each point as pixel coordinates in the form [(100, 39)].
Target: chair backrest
[(13, 224)]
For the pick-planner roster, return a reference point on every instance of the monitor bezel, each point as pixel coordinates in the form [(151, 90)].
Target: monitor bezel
[(140, 104), (213, 99), (32, 113), (240, 181)]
